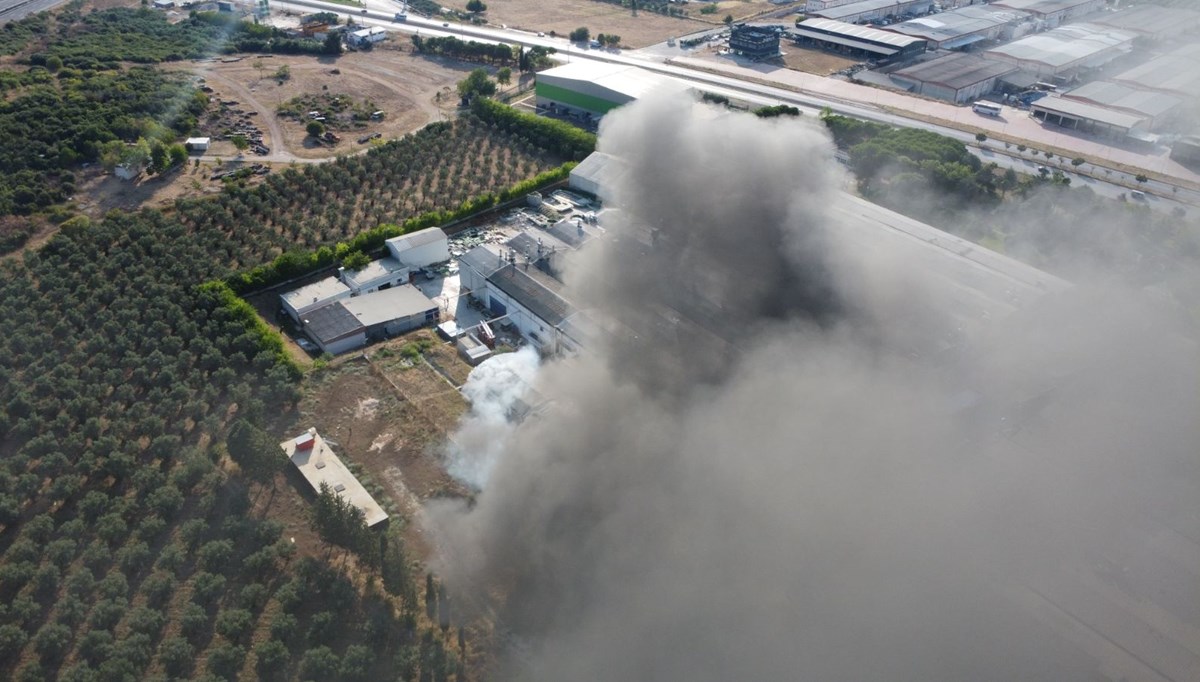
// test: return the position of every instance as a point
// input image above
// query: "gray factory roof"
(1118, 96)
(330, 323)
(862, 36)
(1151, 20)
(960, 23)
(864, 6)
(1065, 45)
(956, 71)
(384, 306)
(1091, 112)
(1172, 72)
(1041, 6)
(484, 259)
(532, 294)
(372, 271)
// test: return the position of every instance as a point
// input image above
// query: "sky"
(755, 476)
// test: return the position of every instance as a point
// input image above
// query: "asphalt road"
(12, 10)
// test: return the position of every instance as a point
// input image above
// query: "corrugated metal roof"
(956, 71)
(330, 323)
(1151, 19)
(823, 27)
(1173, 72)
(390, 304)
(1091, 112)
(964, 21)
(1042, 6)
(531, 294)
(1107, 93)
(1065, 45)
(866, 6)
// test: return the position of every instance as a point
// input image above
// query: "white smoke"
(496, 390)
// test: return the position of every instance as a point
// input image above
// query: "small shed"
(197, 144)
(164, 4)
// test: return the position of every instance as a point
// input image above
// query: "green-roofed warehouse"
(594, 88)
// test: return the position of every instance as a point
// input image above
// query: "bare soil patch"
(564, 16)
(411, 91)
(809, 60)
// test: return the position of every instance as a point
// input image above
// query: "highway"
(13, 10)
(1161, 196)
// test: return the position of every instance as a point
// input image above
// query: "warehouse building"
(1174, 73)
(1077, 115)
(592, 89)
(755, 42)
(1156, 107)
(351, 322)
(595, 173)
(860, 41)
(377, 275)
(508, 287)
(421, 248)
(870, 11)
(317, 462)
(962, 28)
(1053, 13)
(299, 302)
(1065, 50)
(959, 78)
(1152, 22)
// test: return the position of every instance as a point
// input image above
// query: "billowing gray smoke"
(794, 460)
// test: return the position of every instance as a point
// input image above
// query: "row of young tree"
(466, 50)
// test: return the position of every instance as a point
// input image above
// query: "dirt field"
(814, 61)
(564, 16)
(410, 90)
(390, 417)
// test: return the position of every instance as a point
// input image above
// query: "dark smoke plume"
(794, 458)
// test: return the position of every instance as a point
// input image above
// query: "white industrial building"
(421, 248)
(510, 288)
(317, 462)
(1065, 50)
(349, 323)
(966, 26)
(377, 275)
(373, 34)
(309, 297)
(1053, 13)
(592, 89)
(1152, 22)
(1156, 107)
(1078, 115)
(597, 174)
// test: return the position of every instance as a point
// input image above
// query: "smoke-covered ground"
(796, 457)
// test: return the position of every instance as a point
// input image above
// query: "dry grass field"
(564, 16)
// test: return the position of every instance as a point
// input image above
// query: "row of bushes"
(298, 263)
(556, 136)
(220, 295)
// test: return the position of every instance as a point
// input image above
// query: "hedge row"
(268, 339)
(299, 263)
(555, 136)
